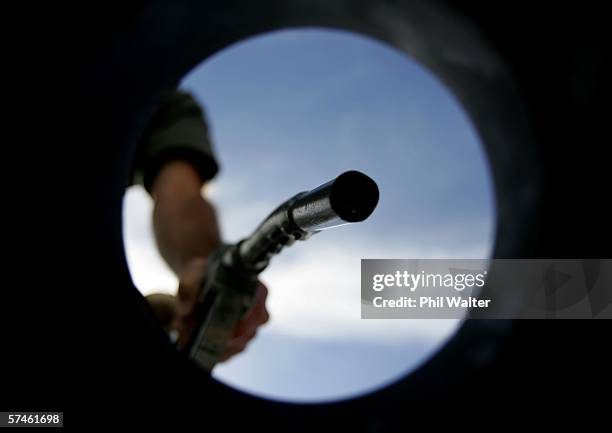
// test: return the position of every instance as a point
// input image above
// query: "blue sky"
(291, 110)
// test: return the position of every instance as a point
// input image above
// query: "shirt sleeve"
(178, 130)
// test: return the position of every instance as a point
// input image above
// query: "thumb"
(164, 307)
(189, 285)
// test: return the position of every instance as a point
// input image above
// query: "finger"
(258, 315)
(237, 345)
(165, 308)
(230, 353)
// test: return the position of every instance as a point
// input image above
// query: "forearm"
(187, 232)
(184, 222)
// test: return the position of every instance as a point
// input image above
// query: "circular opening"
(292, 109)
(354, 196)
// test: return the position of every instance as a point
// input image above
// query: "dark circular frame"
(152, 63)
